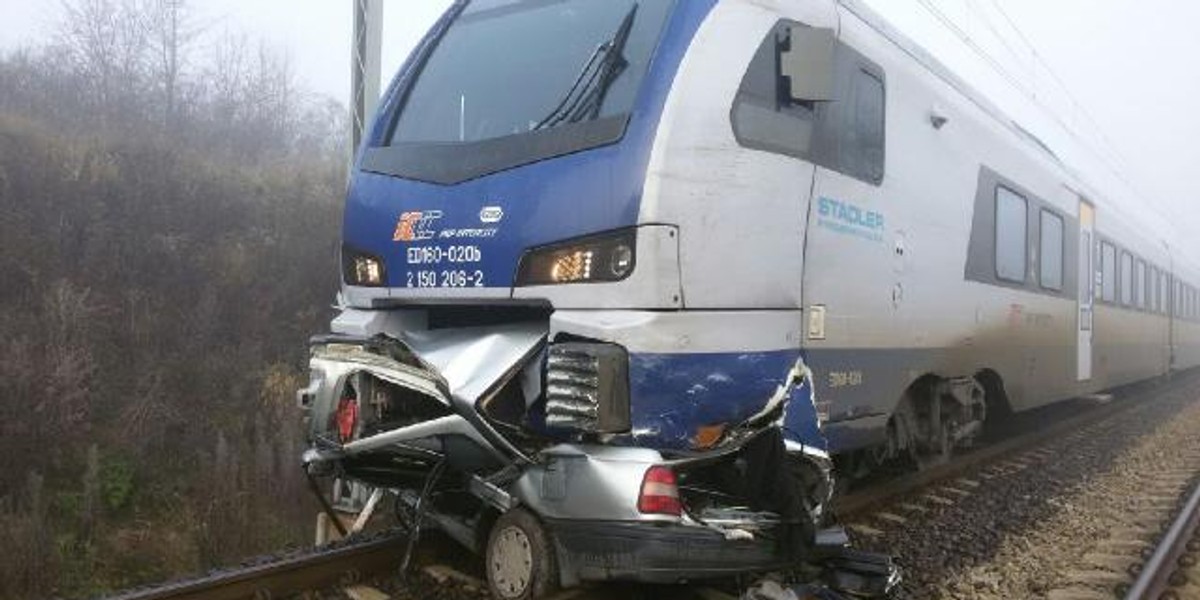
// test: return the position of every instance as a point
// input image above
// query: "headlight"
(587, 387)
(603, 258)
(360, 268)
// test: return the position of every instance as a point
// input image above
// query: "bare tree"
(172, 32)
(106, 41)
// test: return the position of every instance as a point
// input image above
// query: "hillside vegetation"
(168, 242)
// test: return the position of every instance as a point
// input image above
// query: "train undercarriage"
(934, 420)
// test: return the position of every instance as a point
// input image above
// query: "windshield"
(504, 67)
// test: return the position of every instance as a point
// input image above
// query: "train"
(645, 224)
(920, 250)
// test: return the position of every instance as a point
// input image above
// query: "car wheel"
(519, 558)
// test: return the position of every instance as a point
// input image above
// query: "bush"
(157, 297)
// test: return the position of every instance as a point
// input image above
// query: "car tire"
(519, 560)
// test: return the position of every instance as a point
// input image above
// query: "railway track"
(320, 574)
(286, 576)
(1070, 512)
(873, 516)
(1172, 571)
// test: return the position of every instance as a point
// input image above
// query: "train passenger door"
(1087, 291)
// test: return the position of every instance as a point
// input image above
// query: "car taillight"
(660, 493)
(347, 418)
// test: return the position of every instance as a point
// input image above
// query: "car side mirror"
(808, 64)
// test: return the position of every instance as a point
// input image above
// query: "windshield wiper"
(587, 92)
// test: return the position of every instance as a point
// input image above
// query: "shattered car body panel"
(456, 370)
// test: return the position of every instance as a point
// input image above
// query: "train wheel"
(520, 558)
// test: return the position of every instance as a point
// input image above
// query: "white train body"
(898, 276)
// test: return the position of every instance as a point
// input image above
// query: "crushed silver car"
(518, 447)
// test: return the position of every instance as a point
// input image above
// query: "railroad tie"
(893, 518)
(1123, 545)
(863, 529)
(939, 500)
(1079, 593)
(364, 592)
(955, 491)
(1098, 577)
(1116, 563)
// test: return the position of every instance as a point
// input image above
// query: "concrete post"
(366, 51)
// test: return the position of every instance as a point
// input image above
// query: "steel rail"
(283, 577)
(860, 501)
(1155, 577)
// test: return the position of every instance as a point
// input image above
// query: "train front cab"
(639, 212)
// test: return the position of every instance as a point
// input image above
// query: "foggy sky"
(1131, 64)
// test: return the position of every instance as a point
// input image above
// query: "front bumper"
(660, 552)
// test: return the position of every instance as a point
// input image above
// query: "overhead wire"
(1076, 105)
(966, 38)
(975, 8)
(1030, 92)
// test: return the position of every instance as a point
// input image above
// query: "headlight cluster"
(362, 269)
(604, 258)
(587, 387)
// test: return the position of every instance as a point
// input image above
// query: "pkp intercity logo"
(416, 226)
(491, 214)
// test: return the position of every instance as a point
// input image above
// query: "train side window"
(1108, 274)
(1139, 284)
(1178, 309)
(1150, 279)
(1166, 290)
(862, 144)
(1011, 236)
(1126, 284)
(764, 116)
(1152, 288)
(1051, 267)
(846, 134)
(1157, 283)
(1162, 291)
